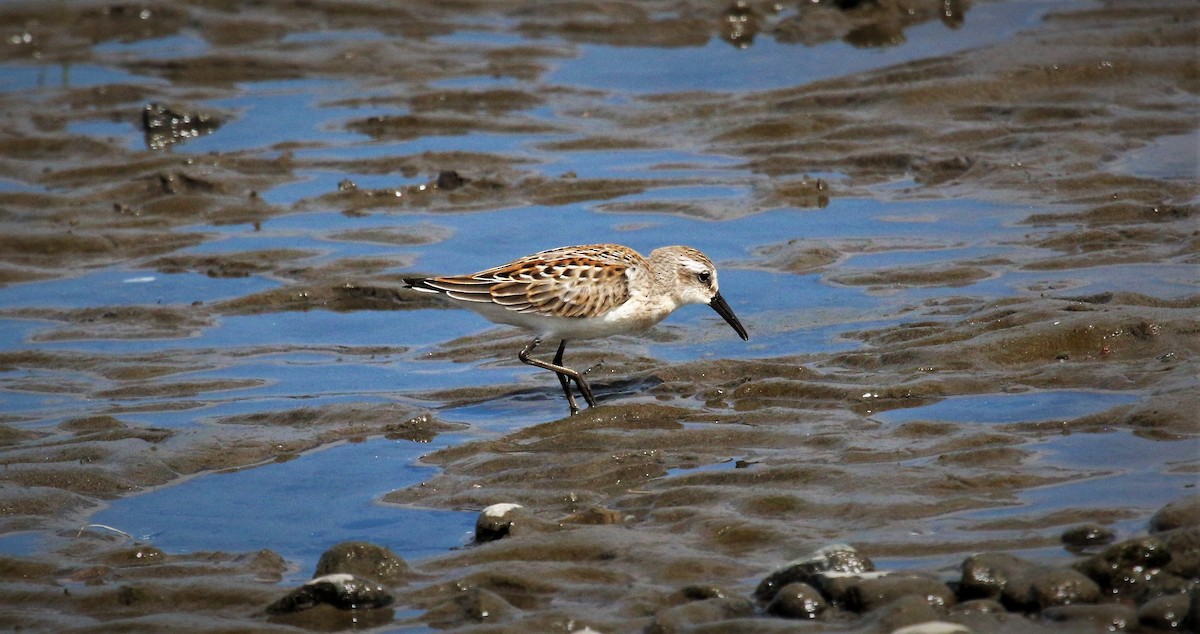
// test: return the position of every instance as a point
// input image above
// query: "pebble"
(984, 576)
(872, 593)
(1129, 567)
(1178, 514)
(449, 180)
(834, 558)
(342, 591)
(1165, 613)
(1113, 617)
(1081, 538)
(797, 600)
(166, 125)
(1046, 587)
(1151, 582)
(904, 612)
(496, 522)
(364, 559)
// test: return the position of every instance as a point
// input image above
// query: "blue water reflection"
(768, 64)
(298, 508)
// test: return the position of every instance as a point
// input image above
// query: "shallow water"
(1039, 406)
(230, 512)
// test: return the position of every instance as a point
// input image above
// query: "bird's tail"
(419, 284)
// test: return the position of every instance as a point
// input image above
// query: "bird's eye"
(704, 276)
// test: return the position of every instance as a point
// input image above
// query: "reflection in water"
(739, 25)
(777, 62)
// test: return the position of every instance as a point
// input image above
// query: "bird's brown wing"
(570, 282)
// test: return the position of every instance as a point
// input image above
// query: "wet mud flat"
(985, 386)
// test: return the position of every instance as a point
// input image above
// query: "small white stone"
(933, 627)
(500, 510)
(335, 578)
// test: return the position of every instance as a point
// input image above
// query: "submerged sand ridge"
(969, 277)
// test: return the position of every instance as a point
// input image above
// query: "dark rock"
(797, 601)
(701, 593)
(496, 521)
(982, 615)
(365, 560)
(1193, 618)
(985, 575)
(326, 618)
(739, 24)
(873, 593)
(904, 612)
(1165, 613)
(1181, 541)
(835, 586)
(835, 558)
(342, 591)
(267, 565)
(1184, 564)
(1178, 514)
(1081, 538)
(1047, 587)
(1113, 617)
(165, 125)
(1129, 566)
(1162, 585)
(449, 180)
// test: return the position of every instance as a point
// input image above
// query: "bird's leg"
(565, 374)
(584, 387)
(562, 378)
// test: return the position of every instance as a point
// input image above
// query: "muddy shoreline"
(664, 509)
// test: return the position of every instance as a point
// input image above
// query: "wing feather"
(571, 282)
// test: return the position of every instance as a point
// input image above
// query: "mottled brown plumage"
(566, 282)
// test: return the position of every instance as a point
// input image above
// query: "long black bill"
(718, 304)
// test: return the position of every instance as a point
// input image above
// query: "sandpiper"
(584, 292)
